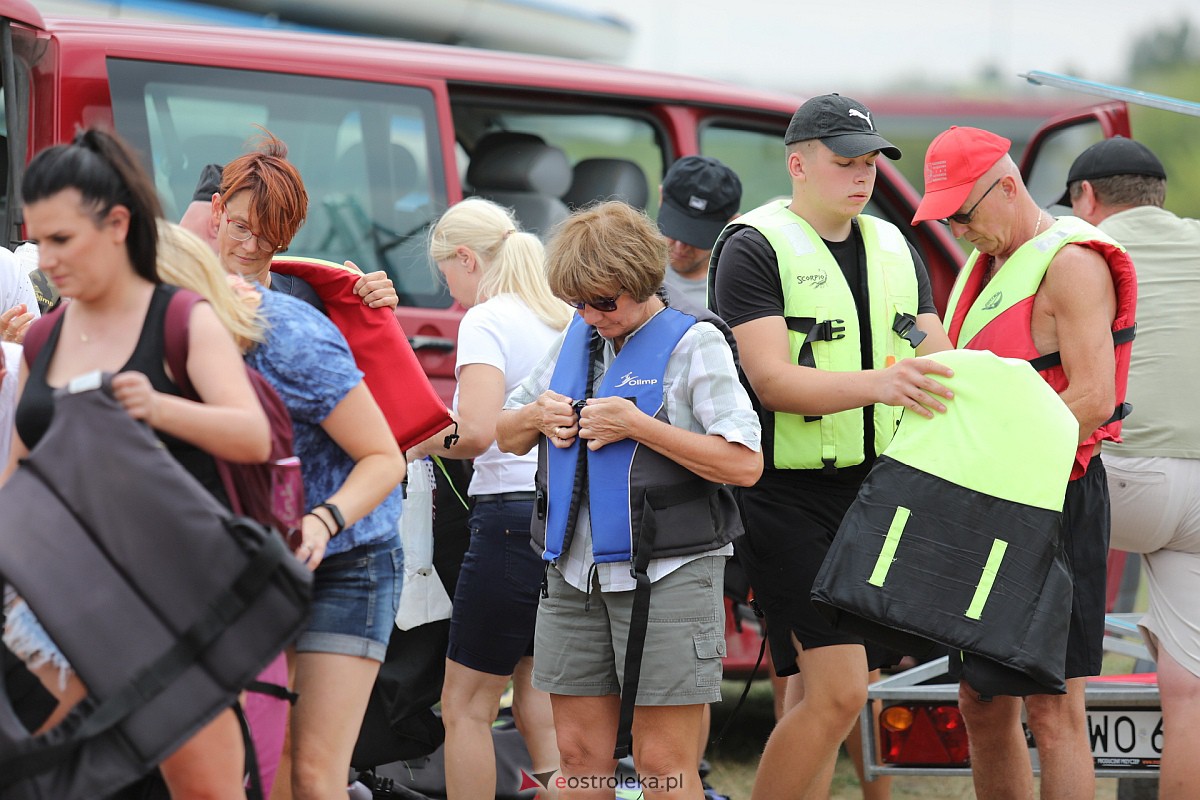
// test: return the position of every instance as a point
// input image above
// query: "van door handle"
(438, 343)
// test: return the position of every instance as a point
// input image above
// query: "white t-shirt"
(10, 352)
(15, 286)
(504, 333)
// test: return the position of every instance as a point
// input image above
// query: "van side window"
(756, 156)
(609, 154)
(368, 153)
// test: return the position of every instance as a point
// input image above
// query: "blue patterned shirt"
(306, 359)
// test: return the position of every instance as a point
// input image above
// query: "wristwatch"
(339, 521)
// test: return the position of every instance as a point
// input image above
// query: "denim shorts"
(355, 598)
(496, 599)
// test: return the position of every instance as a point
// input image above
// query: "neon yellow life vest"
(823, 332)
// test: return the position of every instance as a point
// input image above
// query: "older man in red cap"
(1062, 295)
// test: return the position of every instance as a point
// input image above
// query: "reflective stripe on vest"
(816, 297)
(636, 374)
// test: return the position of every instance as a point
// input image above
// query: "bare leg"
(1059, 725)
(801, 752)
(470, 701)
(664, 750)
(1180, 692)
(334, 690)
(881, 787)
(586, 729)
(534, 717)
(210, 765)
(1000, 764)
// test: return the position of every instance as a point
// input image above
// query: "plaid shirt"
(702, 394)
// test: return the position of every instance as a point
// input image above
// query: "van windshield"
(367, 152)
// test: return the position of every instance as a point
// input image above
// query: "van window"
(610, 153)
(367, 151)
(756, 156)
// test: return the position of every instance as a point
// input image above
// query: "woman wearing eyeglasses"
(496, 271)
(352, 468)
(646, 421)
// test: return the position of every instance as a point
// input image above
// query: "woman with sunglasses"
(495, 271)
(642, 420)
(94, 213)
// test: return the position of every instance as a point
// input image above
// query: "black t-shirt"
(35, 410)
(747, 288)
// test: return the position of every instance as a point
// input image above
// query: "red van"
(387, 134)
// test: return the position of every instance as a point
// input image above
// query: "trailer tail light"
(923, 735)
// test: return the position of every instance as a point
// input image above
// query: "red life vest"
(1000, 318)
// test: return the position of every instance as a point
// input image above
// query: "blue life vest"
(634, 485)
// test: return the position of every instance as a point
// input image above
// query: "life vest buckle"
(828, 331)
(905, 326)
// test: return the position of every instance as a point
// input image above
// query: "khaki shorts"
(582, 653)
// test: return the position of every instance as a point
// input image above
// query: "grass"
(734, 759)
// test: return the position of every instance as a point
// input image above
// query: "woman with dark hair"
(94, 214)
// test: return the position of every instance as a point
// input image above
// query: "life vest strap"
(828, 330)
(1051, 360)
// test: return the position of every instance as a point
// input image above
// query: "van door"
(1054, 146)
(20, 25)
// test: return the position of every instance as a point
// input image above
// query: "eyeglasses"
(240, 232)
(965, 217)
(605, 304)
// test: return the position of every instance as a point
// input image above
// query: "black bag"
(164, 603)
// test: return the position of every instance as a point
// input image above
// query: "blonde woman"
(497, 272)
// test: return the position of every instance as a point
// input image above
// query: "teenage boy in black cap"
(700, 195)
(828, 306)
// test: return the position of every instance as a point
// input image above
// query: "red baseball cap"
(954, 161)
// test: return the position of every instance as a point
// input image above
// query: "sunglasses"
(965, 217)
(604, 304)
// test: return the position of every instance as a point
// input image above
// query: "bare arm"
(357, 426)
(230, 422)
(936, 339)
(1078, 293)
(782, 385)
(610, 419)
(480, 398)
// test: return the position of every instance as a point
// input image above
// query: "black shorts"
(1085, 534)
(790, 524)
(1086, 527)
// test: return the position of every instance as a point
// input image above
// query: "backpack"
(272, 492)
(186, 602)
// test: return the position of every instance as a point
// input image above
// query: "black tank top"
(36, 407)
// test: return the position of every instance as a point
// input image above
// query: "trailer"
(919, 730)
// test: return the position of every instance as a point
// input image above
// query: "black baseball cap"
(699, 196)
(1115, 156)
(209, 183)
(843, 124)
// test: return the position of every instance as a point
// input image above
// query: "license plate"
(1125, 737)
